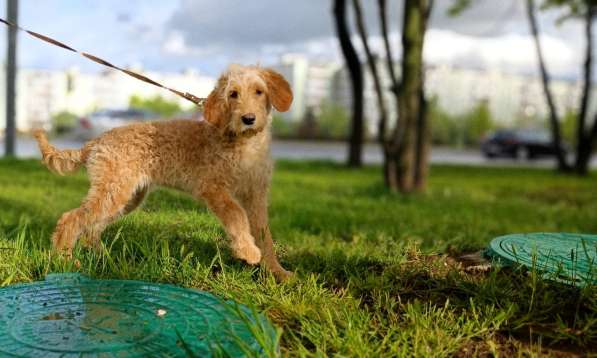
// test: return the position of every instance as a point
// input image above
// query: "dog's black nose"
(248, 119)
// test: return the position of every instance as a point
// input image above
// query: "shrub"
(460, 130)
(333, 121)
(283, 127)
(477, 123)
(156, 104)
(569, 127)
(444, 127)
(63, 122)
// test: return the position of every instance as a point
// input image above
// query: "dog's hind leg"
(106, 200)
(92, 237)
(136, 200)
(235, 222)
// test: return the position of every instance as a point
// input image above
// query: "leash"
(186, 95)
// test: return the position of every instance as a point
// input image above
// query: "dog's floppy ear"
(279, 89)
(214, 108)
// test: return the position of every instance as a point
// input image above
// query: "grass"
(376, 274)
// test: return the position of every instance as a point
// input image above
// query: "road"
(335, 151)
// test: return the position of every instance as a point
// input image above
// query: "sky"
(207, 35)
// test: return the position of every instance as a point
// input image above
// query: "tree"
(406, 149)
(412, 133)
(356, 76)
(12, 7)
(545, 80)
(586, 135)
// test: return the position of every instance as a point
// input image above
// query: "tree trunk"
(372, 63)
(423, 125)
(592, 138)
(390, 173)
(410, 92)
(356, 76)
(389, 58)
(406, 152)
(12, 7)
(423, 145)
(584, 142)
(390, 152)
(553, 115)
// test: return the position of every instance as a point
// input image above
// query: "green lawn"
(376, 274)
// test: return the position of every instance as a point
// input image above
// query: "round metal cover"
(570, 258)
(69, 315)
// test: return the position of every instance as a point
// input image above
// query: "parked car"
(520, 144)
(98, 122)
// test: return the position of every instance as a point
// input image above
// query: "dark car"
(520, 144)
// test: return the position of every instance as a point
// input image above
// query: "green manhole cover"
(570, 258)
(69, 315)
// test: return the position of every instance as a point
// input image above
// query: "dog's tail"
(59, 161)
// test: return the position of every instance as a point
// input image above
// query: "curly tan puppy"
(223, 160)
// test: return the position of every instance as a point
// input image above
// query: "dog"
(222, 160)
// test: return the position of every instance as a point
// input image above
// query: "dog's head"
(242, 101)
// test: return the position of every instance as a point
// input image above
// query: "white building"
(458, 90)
(43, 93)
(311, 83)
(342, 94)
(510, 96)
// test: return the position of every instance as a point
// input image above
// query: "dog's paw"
(91, 243)
(283, 275)
(63, 253)
(248, 252)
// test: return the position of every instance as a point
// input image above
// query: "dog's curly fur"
(221, 160)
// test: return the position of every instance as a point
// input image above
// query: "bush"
(444, 127)
(63, 122)
(464, 130)
(333, 121)
(569, 127)
(477, 123)
(283, 127)
(156, 104)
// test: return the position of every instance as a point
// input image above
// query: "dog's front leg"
(235, 222)
(255, 205)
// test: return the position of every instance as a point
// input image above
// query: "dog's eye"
(233, 94)
(259, 92)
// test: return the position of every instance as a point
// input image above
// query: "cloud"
(205, 22)
(249, 23)
(175, 44)
(483, 18)
(490, 34)
(207, 34)
(510, 52)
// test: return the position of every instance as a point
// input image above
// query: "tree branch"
(581, 133)
(389, 57)
(374, 71)
(553, 114)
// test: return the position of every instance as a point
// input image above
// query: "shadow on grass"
(561, 315)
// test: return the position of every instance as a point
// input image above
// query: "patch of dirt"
(473, 265)
(503, 346)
